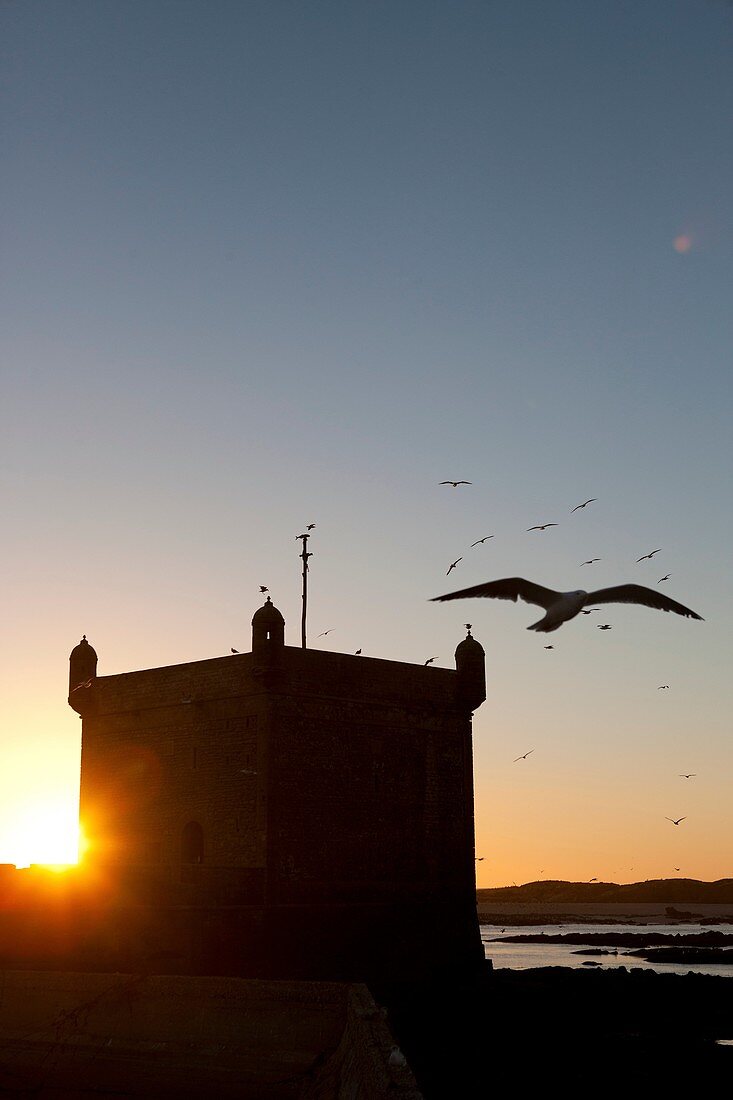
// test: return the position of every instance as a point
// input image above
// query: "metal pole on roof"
(304, 555)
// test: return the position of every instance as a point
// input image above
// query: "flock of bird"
(559, 607)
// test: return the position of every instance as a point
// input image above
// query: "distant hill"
(653, 890)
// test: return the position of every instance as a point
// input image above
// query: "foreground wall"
(71, 1033)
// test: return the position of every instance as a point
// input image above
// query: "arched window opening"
(192, 843)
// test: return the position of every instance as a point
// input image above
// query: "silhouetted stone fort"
(287, 812)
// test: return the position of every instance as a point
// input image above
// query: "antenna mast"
(304, 556)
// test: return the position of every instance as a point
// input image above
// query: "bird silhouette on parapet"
(234, 650)
(357, 653)
(559, 607)
(583, 505)
(455, 484)
(645, 556)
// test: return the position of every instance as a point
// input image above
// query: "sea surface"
(525, 956)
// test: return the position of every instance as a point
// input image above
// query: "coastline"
(622, 912)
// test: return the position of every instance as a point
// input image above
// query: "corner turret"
(268, 634)
(82, 671)
(471, 670)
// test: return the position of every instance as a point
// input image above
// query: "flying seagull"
(549, 647)
(665, 578)
(663, 687)
(455, 563)
(541, 527)
(604, 626)
(587, 610)
(590, 561)
(479, 541)
(687, 775)
(561, 606)
(583, 505)
(310, 526)
(430, 660)
(522, 757)
(455, 484)
(645, 556)
(677, 821)
(325, 632)
(264, 588)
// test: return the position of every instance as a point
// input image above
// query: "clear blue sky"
(273, 263)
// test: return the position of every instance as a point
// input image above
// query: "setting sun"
(44, 832)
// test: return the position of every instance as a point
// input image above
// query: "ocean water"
(524, 956)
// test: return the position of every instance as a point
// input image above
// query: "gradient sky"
(273, 263)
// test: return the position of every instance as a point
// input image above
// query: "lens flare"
(682, 243)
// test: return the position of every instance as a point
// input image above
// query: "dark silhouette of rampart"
(287, 812)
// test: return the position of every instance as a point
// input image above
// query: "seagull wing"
(637, 593)
(511, 588)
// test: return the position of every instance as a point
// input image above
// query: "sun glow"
(46, 833)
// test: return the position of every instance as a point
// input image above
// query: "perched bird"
(664, 578)
(583, 505)
(561, 606)
(645, 556)
(592, 880)
(605, 626)
(452, 567)
(522, 757)
(479, 859)
(264, 588)
(590, 561)
(549, 647)
(430, 660)
(541, 527)
(663, 687)
(687, 775)
(310, 526)
(677, 821)
(325, 632)
(234, 650)
(678, 868)
(455, 484)
(479, 541)
(357, 653)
